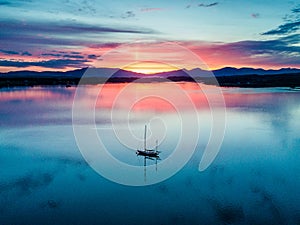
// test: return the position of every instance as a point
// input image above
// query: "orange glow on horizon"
(149, 67)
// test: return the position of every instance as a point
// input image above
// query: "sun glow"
(149, 67)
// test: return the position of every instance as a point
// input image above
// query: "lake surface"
(254, 179)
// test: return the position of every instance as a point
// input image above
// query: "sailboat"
(148, 152)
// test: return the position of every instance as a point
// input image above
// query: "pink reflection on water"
(156, 100)
(38, 94)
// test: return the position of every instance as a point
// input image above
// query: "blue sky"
(62, 35)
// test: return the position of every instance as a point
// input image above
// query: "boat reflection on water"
(145, 164)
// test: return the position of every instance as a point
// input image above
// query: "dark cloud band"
(55, 63)
(286, 28)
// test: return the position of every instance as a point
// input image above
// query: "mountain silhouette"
(227, 76)
(120, 73)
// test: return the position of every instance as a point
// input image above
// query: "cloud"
(277, 53)
(52, 54)
(208, 5)
(75, 53)
(82, 28)
(286, 28)
(36, 39)
(69, 55)
(203, 5)
(64, 28)
(269, 46)
(26, 53)
(291, 25)
(296, 10)
(37, 35)
(128, 14)
(15, 3)
(73, 56)
(54, 63)
(8, 52)
(255, 15)
(92, 56)
(151, 9)
(5, 3)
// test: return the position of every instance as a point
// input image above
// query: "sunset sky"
(66, 35)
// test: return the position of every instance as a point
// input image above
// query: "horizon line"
(149, 73)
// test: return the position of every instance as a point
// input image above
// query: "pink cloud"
(267, 54)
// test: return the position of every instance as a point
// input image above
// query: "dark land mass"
(247, 81)
(258, 81)
(271, 78)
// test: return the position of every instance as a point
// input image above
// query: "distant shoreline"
(226, 77)
(244, 81)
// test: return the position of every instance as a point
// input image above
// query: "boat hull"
(147, 153)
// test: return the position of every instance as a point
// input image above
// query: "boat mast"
(145, 137)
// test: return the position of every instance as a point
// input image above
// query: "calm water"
(255, 178)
